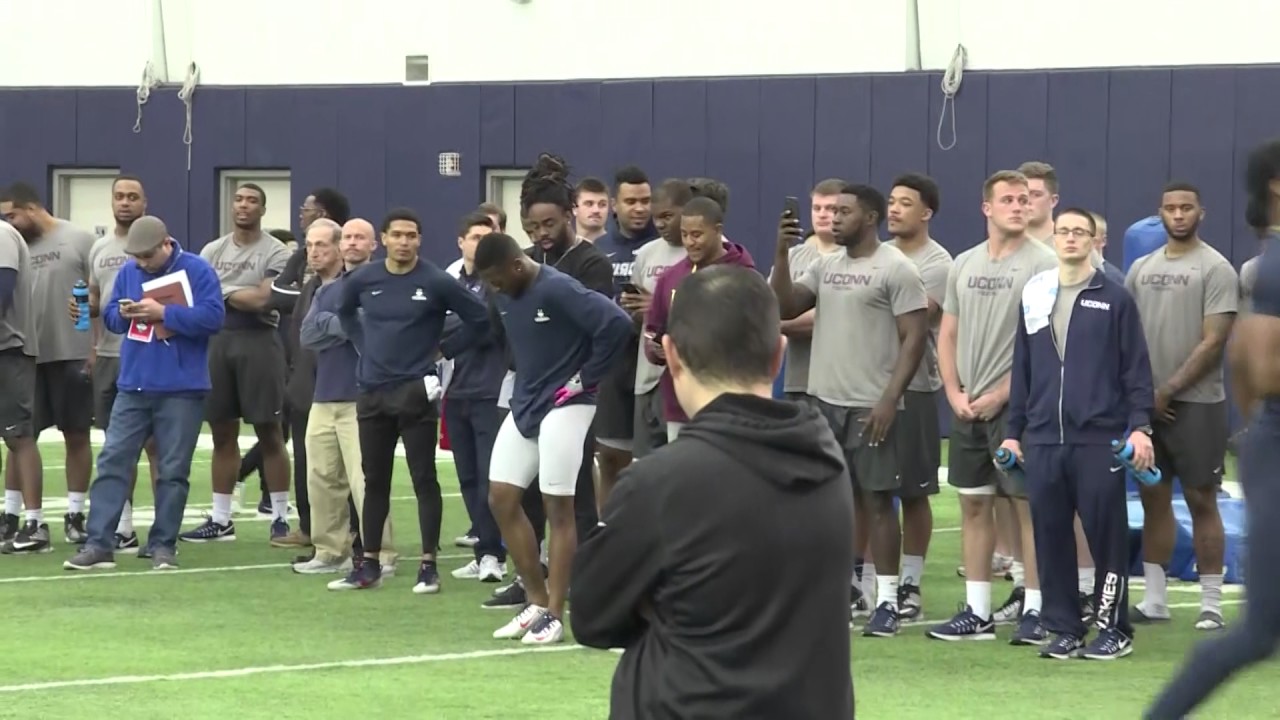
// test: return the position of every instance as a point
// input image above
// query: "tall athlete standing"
(1188, 294)
(246, 366)
(870, 332)
(564, 339)
(913, 201)
(975, 356)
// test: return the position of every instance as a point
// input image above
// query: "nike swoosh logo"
(23, 546)
(1117, 469)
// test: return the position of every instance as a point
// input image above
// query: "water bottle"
(80, 293)
(1123, 451)
(1008, 462)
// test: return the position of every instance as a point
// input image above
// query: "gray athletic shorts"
(650, 428)
(919, 444)
(247, 372)
(873, 469)
(1193, 448)
(17, 393)
(106, 370)
(971, 463)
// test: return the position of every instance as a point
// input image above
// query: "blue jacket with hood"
(1102, 389)
(179, 364)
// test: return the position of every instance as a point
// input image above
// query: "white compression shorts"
(554, 457)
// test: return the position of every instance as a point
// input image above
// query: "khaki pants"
(333, 472)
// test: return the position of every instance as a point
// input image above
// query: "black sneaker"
(883, 622)
(910, 604)
(505, 598)
(210, 531)
(279, 531)
(1011, 610)
(1030, 631)
(428, 579)
(1063, 647)
(31, 539)
(965, 626)
(1087, 612)
(127, 544)
(73, 528)
(1110, 644)
(858, 605)
(9, 526)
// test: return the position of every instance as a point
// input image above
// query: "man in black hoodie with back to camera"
(672, 572)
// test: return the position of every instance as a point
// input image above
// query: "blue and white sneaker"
(883, 622)
(279, 531)
(1110, 644)
(210, 531)
(1030, 631)
(965, 626)
(428, 579)
(1063, 647)
(545, 630)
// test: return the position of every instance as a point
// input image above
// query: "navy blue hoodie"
(621, 251)
(1102, 390)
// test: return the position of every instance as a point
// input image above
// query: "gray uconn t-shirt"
(105, 260)
(59, 258)
(245, 266)
(651, 260)
(855, 331)
(1248, 276)
(985, 296)
(16, 324)
(1064, 303)
(796, 377)
(934, 263)
(1174, 297)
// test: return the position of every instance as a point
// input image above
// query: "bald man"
(332, 438)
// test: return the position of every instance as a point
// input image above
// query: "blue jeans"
(473, 428)
(174, 421)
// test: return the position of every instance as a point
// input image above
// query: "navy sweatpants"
(1061, 481)
(1257, 637)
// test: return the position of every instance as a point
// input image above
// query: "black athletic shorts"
(105, 373)
(17, 394)
(64, 397)
(247, 373)
(614, 424)
(1193, 448)
(919, 444)
(650, 427)
(971, 461)
(873, 469)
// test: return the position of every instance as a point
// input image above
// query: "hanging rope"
(149, 83)
(187, 96)
(951, 80)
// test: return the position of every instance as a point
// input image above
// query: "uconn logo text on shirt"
(1095, 304)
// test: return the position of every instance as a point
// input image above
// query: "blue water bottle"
(1123, 451)
(80, 293)
(1008, 462)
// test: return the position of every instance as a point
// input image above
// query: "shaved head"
(358, 242)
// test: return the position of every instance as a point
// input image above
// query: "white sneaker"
(316, 566)
(470, 571)
(520, 624)
(466, 541)
(546, 630)
(490, 570)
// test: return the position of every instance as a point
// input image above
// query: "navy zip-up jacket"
(478, 371)
(1102, 390)
(336, 358)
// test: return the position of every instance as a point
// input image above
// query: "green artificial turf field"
(235, 634)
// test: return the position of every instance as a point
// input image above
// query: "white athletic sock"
(1019, 572)
(1086, 576)
(1033, 601)
(912, 569)
(37, 515)
(279, 505)
(1156, 593)
(75, 502)
(887, 590)
(870, 585)
(978, 596)
(221, 508)
(12, 502)
(1211, 593)
(125, 527)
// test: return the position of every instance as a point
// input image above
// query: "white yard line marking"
(1196, 604)
(273, 669)
(142, 572)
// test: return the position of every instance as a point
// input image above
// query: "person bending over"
(564, 339)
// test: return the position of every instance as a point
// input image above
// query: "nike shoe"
(1088, 613)
(1210, 620)
(546, 630)
(428, 579)
(1063, 647)
(883, 622)
(517, 626)
(1030, 631)
(73, 528)
(9, 526)
(910, 604)
(210, 531)
(965, 626)
(506, 597)
(33, 538)
(1110, 644)
(1011, 610)
(127, 544)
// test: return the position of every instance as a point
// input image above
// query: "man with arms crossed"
(1188, 294)
(564, 339)
(1081, 380)
(870, 332)
(162, 386)
(246, 366)
(679, 587)
(59, 255)
(18, 350)
(975, 355)
(913, 201)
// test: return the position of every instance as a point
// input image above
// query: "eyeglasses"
(1077, 233)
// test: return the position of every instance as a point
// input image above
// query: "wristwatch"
(1144, 429)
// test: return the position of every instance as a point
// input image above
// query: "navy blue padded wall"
(1137, 149)
(626, 120)
(219, 136)
(899, 127)
(787, 129)
(1077, 136)
(679, 118)
(1202, 147)
(363, 150)
(732, 155)
(1017, 119)
(961, 167)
